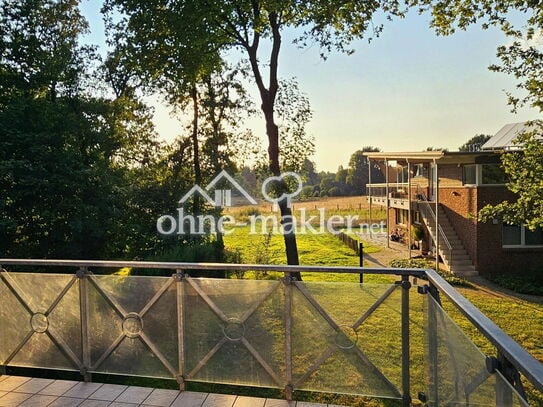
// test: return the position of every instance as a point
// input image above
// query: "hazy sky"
(406, 91)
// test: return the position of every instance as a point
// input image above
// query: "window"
(483, 174)
(469, 174)
(420, 170)
(402, 216)
(519, 236)
(492, 174)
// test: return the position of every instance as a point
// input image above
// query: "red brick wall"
(492, 257)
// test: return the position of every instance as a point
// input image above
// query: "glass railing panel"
(346, 338)
(235, 331)
(40, 320)
(133, 325)
(458, 374)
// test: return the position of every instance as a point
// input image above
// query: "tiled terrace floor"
(21, 391)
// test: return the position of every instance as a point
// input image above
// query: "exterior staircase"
(451, 248)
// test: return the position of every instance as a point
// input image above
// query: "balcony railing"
(349, 338)
(395, 190)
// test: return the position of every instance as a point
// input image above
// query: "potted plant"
(417, 235)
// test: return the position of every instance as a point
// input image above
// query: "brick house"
(441, 192)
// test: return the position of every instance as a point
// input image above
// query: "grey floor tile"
(279, 403)
(82, 390)
(161, 397)
(4, 377)
(38, 400)
(249, 402)
(108, 392)
(12, 382)
(33, 386)
(66, 402)
(58, 388)
(307, 404)
(94, 403)
(189, 399)
(117, 404)
(219, 400)
(14, 399)
(3, 393)
(134, 394)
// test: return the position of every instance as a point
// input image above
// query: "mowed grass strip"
(313, 250)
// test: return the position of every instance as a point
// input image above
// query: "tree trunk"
(267, 96)
(195, 147)
(289, 235)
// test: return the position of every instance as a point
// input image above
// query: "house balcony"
(395, 193)
(385, 341)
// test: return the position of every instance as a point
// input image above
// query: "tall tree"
(524, 169)
(182, 28)
(358, 172)
(64, 155)
(474, 143)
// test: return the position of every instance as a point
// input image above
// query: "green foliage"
(427, 264)
(81, 173)
(417, 232)
(520, 284)
(525, 171)
(200, 252)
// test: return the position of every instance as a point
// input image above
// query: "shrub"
(426, 264)
(193, 252)
(520, 284)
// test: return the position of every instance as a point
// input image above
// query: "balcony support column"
(368, 192)
(409, 219)
(436, 175)
(387, 202)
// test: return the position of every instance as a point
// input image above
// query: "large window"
(483, 174)
(519, 236)
(470, 174)
(492, 174)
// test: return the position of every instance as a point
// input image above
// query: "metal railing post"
(504, 393)
(82, 275)
(361, 259)
(406, 375)
(433, 358)
(180, 291)
(2, 366)
(289, 388)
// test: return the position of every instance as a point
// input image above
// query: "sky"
(405, 91)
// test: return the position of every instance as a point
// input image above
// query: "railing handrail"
(427, 206)
(523, 361)
(211, 266)
(384, 184)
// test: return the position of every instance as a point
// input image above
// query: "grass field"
(522, 320)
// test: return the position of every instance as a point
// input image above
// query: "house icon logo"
(222, 197)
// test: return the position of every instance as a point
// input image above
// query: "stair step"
(456, 257)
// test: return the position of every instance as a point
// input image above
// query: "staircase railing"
(427, 212)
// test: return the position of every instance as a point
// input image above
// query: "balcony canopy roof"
(440, 156)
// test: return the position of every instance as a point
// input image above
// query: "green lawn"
(314, 250)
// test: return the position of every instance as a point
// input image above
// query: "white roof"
(503, 139)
